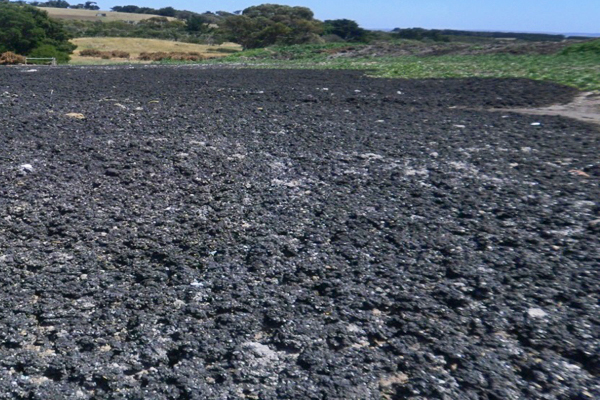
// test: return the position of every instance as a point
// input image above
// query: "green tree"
(346, 29)
(49, 51)
(239, 28)
(198, 23)
(268, 24)
(55, 4)
(154, 22)
(19, 32)
(91, 5)
(126, 9)
(24, 28)
(166, 12)
(278, 12)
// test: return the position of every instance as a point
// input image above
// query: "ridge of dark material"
(280, 234)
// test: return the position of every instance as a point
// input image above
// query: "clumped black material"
(225, 234)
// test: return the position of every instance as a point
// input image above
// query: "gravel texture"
(188, 233)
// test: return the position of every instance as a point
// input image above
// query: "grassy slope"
(578, 70)
(91, 15)
(135, 46)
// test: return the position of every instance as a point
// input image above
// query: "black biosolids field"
(188, 233)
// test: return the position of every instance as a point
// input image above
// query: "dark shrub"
(90, 53)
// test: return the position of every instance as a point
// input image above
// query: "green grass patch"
(580, 69)
(306, 52)
(588, 48)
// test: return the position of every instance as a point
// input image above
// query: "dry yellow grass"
(91, 15)
(135, 46)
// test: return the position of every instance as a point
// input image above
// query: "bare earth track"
(585, 107)
(198, 233)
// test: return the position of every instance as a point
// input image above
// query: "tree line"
(446, 35)
(28, 30)
(253, 27)
(88, 5)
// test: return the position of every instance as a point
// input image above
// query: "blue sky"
(561, 16)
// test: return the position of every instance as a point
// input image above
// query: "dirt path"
(585, 107)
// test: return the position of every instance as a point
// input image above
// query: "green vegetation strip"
(578, 69)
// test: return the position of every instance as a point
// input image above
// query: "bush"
(10, 58)
(49, 51)
(332, 38)
(90, 53)
(185, 57)
(346, 29)
(225, 50)
(175, 56)
(145, 56)
(119, 54)
(104, 54)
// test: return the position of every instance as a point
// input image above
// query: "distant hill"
(570, 34)
(456, 34)
(530, 36)
(93, 15)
